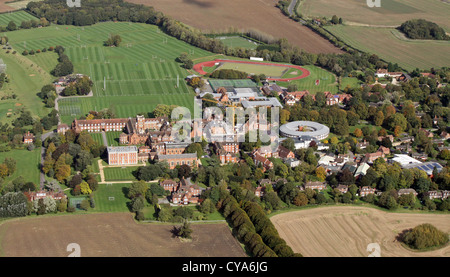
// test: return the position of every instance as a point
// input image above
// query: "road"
(43, 138)
(291, 7)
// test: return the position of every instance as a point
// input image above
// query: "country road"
(291, 7)
(43, 138)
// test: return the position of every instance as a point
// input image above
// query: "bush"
(140, 216)
(425, 236)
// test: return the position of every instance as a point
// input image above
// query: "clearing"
(347, 231)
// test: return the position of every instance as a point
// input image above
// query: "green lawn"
(26, 80)
(238, 42)
(272, 71)
(352, 82)
(120, 174)
(17, 17)
(113, 138)
(27, 164)
(327, 80)
(103, 202)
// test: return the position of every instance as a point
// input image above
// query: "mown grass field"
(113, 138)
(26, 80)
(238, 42)
(327, 80)
(133, 78)
(17, 17)
(272, 71)
(27, 164)
(391, 12)
(120, 173)
(102, 198)
(390, 45)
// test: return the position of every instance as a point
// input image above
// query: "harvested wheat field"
(347, 231)
(262, 15)
(111, 235)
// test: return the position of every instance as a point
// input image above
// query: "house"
(265, 182)
(56, 195)
(342, 188)
(433, 194)
(28, 138)
(362, 145)
(261, 160)
(384, 150)
(390, 137)
(444, 135)
(401, 192)
(225, 151)
(62, 128)
(259, 191)
(187, 193)
(291, 162)
(371, 157)
(364, 191)
(169, 185)
(285, 153)
(315, 186)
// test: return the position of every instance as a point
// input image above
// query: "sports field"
(27, 164)
(120, 173)
(390, 45)
(111, 198)
(326, 81)
(238, 42)
(132, 78)
(254, 69)
(391, 12)
(347, 231)
(17, 17)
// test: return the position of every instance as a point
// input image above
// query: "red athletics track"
(305, 73)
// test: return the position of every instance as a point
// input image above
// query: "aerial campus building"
(300, 129)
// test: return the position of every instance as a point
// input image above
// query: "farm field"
(27, 164)
(347, 231)
(392, 12)
(111, 235)
(217, 16)
(390, 45)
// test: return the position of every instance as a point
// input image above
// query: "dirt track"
(261, 15)
(347, 231)
(111, 235)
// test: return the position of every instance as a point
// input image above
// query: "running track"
(305, 73)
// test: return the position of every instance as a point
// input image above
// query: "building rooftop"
(122, 149)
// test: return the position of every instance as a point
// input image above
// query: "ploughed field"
(111, 235)
(347, 231)
(262, 15)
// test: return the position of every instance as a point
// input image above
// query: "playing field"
(238, 42)
(111, 235)
(111, 198)
(17, 17)
(390, 45)
(27, 164)
(347, 231)
(132, 78)
(255, 69)
(391, 12)
(120, 173)
(327, 80)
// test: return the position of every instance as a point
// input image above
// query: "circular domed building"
(299, 129)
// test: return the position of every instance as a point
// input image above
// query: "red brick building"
(122, 155)
(189, 159)
(186, 193)
(33, 195)
(28, 138)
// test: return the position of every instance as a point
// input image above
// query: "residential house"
(364, 191)
(28, 138)
(187, 193)
(41, 194)
(384, 150)
(261, 160)
(315, 186)
(259, 191)
(401, 192)
(169, 185)
(342, 188)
